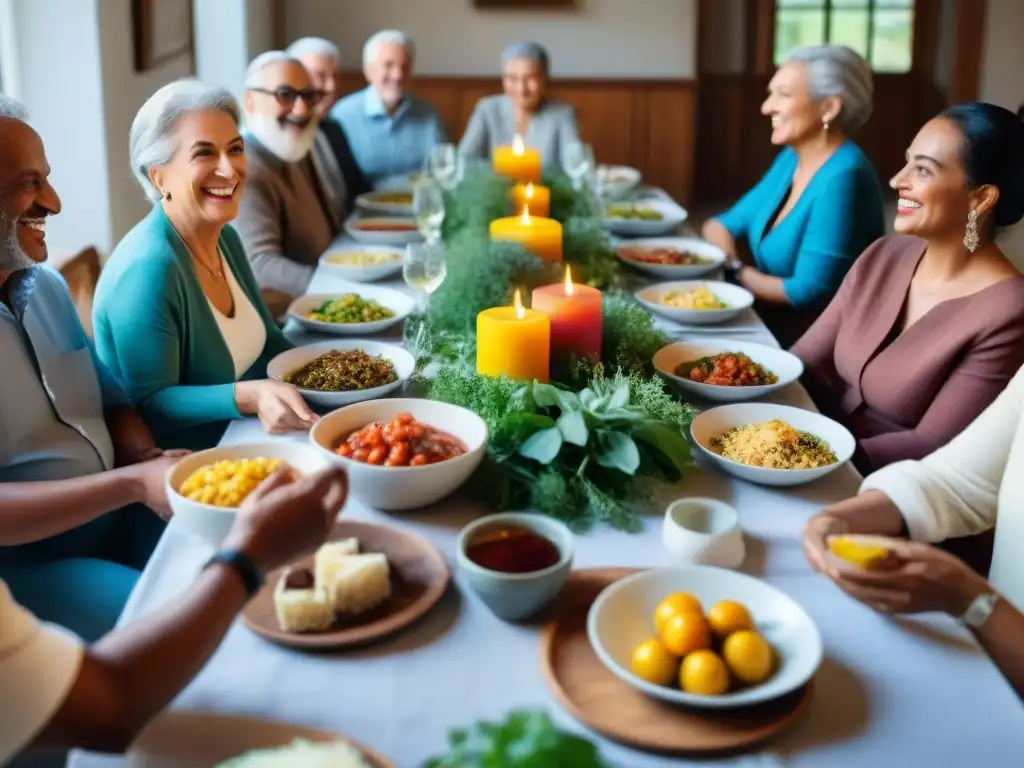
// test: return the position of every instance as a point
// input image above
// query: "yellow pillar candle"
(517, 162)
(514, 341)
(533, 197)
(538, 235)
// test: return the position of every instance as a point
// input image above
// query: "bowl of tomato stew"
(402, 453)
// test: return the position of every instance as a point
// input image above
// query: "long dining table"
(907, 692)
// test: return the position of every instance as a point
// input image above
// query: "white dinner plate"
(736, 299)
(621, 618)
(715, 422)
(401, 304)
(786, 366)
(402, 361)
(712, 254)
(382, 237)
(185, 739)
(378, 202)
(365, 273)
(672, 215)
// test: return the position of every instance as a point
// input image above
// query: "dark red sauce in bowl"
(512, 549)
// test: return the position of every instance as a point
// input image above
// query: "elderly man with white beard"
(293, 206)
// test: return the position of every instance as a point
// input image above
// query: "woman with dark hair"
(928, 327)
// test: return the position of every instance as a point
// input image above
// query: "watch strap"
(250, 574)
(979, 610)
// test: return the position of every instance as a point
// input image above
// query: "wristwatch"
(979, 610)
(250, 574)
(732, 265)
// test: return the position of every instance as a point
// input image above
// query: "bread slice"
(301, 610)
(329, 557)
(360, 582)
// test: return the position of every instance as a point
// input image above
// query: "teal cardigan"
(156, 333)
(839, 214)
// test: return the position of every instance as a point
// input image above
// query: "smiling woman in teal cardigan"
(156, 332)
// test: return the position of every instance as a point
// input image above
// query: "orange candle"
(533, 197)
(575, 313)
(517, 162)
(538, 235)
(514, 341)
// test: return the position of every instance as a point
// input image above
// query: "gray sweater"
(552, 129)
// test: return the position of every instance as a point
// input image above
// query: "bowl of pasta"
(772, 444)
(696, 302)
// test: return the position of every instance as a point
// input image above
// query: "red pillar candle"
(575, 312)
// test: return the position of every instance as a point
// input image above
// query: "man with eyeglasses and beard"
(77, 463)
(294, 202)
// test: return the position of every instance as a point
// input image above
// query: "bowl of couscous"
(205, 489)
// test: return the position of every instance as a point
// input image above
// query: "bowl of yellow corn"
(363, 263)
(696, 302)
(205, 489)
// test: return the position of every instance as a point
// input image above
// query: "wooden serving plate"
(597, 698)
(419, 577)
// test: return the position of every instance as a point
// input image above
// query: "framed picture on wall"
(532, 4)
(162, 30)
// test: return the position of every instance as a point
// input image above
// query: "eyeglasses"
(286, 95)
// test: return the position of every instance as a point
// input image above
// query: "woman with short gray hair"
(178, 316)
(819, 205)
(524, 110)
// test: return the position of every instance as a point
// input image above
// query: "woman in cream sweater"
(964, 488)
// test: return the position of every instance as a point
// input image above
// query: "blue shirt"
(388, 146)
(54, 391)
(839, 214)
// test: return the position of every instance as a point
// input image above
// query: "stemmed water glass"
(428, 208)
(424, 270)
(579, 162)
(444, 165)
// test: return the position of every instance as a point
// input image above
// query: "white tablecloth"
(908, 692)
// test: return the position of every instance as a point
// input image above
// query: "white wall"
(602, 38)
(220, 41)
(1002, 64)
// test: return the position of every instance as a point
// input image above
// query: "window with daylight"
(879, 30)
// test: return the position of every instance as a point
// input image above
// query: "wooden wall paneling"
(669, 159)
(965, 77)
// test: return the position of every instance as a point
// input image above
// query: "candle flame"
(517, 302)
(568, 280)
(518, 147)
(529, 191)
(525, 218)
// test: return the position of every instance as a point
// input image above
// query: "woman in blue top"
(819, 205)
(178, 318)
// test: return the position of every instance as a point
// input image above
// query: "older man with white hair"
(321, 58)
(294, 203)
(391, 131)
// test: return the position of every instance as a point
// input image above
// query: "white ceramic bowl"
(786, 366)
(286, 362)
(672, 215)
(367, 273)
(376, 202)
(385, 237)
(617, 180)
(736, 299)
(620, 619)
(213, 523)
(401, 304)
(717, 421)
(714, 255)
(402, 488)
(703, 532)
(517, 596)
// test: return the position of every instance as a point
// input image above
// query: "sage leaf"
(669, 442)
(573, 428)
(619, 398)
(617, 451)
(543, 445)
(545, 395)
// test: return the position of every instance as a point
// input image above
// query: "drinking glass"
(428, 208)
(424, 270)
(444, 164)
(579, 162)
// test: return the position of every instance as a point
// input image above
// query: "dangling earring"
(971, 239)
(825, 122)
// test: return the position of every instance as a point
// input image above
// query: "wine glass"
(444, 164)
(428, 208)
(579, 162)
(424, 270)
